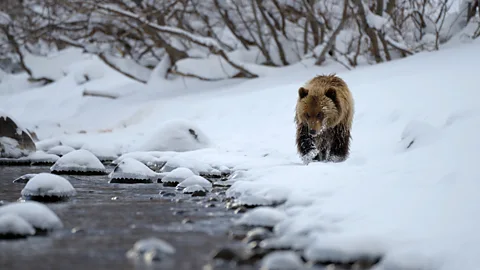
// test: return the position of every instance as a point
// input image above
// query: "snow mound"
(195, 190)
(37, 214)
(176, 135)
(151, 249)
(48, 187)
(281, 260)
(24, 178)
(418, 134)
(101, 151)
(262, 216)
(176, 176)
(78, 161)
(60, 150)
(13, 226)
(195, 180)
(132, 170)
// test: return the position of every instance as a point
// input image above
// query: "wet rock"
(212, 199)
(210, 205)
(164, 193)
(240, 210)
(151, 249)
(231, 253)
(187, 221)
(15, 141)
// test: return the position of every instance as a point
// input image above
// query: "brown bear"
(323, 116)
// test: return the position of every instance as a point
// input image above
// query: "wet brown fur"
(325, 105)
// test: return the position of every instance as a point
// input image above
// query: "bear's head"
(318, 109)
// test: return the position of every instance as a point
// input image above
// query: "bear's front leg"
(306, 145)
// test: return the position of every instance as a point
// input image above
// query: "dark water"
(103, 221)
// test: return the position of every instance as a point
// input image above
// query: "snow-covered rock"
(35, 213)
(281, 260)
(13, 226)
(151, 249)
(48, 187)
(78, 162)
(176, 135)
(195, 180)
(60, 150)
(15, 141)
(195, 190)
(176, 176)
(130, 170)
(261, 216)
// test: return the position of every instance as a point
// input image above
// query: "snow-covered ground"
(415, 205)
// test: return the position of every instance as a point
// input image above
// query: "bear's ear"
(331, 94)
(302, 92)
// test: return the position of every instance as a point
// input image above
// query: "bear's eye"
(307, 115)
(320, 115)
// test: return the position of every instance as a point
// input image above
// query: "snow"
(24, 178)
(36, 214)
(80, 161)
(385, 199)
(13, 224)
(130, 168)
(47, 184)
(195, 180)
